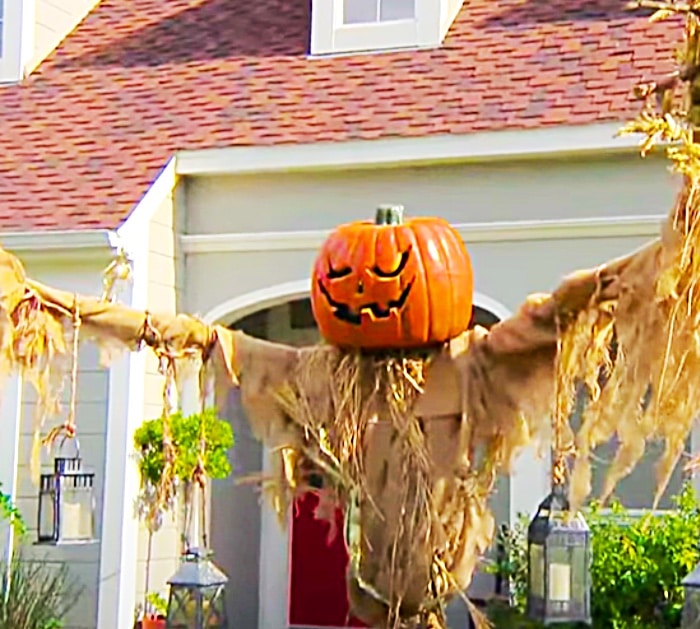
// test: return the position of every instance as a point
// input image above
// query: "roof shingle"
(83, 137)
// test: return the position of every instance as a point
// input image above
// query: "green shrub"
(185, 433)
(35, 595)
(10, 513)
(637, 568)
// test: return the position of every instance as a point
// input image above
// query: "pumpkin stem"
(389, 215)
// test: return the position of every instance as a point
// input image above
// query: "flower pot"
(153, 622)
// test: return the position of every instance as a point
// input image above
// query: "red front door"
(317, 592)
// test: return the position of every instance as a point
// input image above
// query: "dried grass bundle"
(413, 475)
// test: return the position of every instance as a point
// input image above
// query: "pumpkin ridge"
(388, 300)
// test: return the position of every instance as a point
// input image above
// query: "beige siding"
(55, 19)
(91, 415)
(162, 297)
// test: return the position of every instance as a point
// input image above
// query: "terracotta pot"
(153, 622)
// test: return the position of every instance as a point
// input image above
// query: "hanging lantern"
(197, 594)
(558, 563)
(691, 605)
(67, 503)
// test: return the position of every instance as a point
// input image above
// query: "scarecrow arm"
(509, 372)
(535, 324)
(32, 333)
(259, 367)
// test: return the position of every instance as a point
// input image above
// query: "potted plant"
(155, 612)
(200, 444)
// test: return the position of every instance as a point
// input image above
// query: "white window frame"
(17, 39)
(330, 36)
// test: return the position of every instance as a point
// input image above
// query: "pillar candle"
(559, 582)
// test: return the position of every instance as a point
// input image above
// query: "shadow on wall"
(206, 31)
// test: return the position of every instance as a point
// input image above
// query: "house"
(222, 140)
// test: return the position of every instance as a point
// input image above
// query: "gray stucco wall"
(621, 185)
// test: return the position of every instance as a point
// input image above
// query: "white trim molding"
(243, 305)
(11, 418)
(72, 245)
(120, 527)
(17, 39)
(497, 231)
(390, 152)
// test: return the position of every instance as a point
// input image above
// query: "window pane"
(397, 10)
(360, 11)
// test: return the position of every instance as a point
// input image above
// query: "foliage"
(156, 604)
(187, 434)
(185, 431)
(10, 513)
(511, 565)
(36, 595)
(637, 569)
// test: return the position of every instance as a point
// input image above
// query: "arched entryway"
(295, 578)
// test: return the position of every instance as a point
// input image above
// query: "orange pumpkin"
(391, 284)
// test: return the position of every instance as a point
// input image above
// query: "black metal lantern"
(197, 594)
(67, 503)
(559, 555)
(691, 605)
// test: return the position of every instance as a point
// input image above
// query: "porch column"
(529, 482)
(11, 418)
(120, 527)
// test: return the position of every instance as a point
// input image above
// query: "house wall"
(463, 193)
(622, 185)
(54, 20)
(91, 414)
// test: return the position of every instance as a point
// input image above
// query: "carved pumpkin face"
(392, 284)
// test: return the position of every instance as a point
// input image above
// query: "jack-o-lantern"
(391, 284)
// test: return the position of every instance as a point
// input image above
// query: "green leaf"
(637, 569)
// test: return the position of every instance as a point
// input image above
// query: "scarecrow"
(408, 413)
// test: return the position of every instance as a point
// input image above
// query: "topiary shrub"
(637, 569)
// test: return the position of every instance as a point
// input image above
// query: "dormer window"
(345, 26)
(377, 11)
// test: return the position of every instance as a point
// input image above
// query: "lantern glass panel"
(47, 508)
(558, 563)
(213, 607)
(691, 609)
(197, 594)
(178, 605)
(691, 606)
(77, 521)
(559, 577)
(536, 572)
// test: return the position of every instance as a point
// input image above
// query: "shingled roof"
(85, 135)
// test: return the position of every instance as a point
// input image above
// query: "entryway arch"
(259, 539)
(236, 308)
